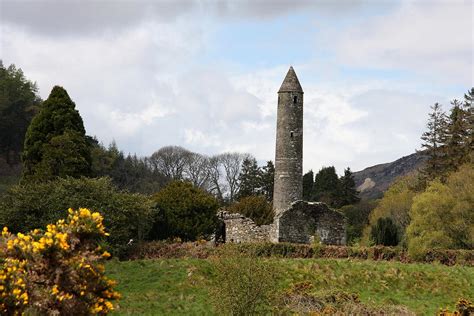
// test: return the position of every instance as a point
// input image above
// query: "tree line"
(448, 140)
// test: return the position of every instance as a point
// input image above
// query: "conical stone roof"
(291, 82)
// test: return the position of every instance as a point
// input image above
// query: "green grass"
(180, 286)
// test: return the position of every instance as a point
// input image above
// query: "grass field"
(181, 286)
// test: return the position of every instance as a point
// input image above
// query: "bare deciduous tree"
(171, 161)
(197, 170)
(216, 186)
(231, 164)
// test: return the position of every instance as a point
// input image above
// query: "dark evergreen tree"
(456, 136)
(385, 232)
(249, 178)
(267, 180)
(56, 136)
(18, 104)
(349, 194)
(433, 141)
(129, 173)
(308, 180)
(327, 187)
(469, 110)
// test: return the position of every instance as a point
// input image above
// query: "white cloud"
(431, 38)
(197, 137)
(140, 81)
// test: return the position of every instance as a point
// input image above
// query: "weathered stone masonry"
(305, 220)
(288, 185)
(239, 228)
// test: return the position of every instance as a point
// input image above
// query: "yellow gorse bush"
(58, 270)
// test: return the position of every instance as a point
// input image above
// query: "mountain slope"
(373, 181)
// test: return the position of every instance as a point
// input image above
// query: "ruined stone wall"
(298, 224)
(304, 220)
(241, 229)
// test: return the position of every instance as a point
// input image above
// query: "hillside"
(373, 181)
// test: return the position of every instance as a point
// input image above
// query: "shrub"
(442, 216)
(256, 208)
(57, 271)
(26, 207)
(357, 218)
(184, 211)
(165, 249)
(395, 204)
(243, 283)
(384, 232)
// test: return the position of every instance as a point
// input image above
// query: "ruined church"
(295, 220)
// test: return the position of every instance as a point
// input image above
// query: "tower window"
(295, 99)
(291, 134)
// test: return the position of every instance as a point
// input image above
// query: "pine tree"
(349, 194)
(55, 142)
(249, 178)
(308, 180)
(456, 137)
(327, 187)
(433, 141)
(267, 180)
(469, 110)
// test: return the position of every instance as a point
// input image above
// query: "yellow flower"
(97, 308)
(55, 290)
(96, 216)
(24, 297)
(109, 305)
(62, 238)
(10, 244)
(83, 212)
(106, 254)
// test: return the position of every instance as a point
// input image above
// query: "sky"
(205, 74)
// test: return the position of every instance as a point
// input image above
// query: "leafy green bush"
(254, 207)
(442, 216)
(243, 283)
(184, 211)
(395, 204)
(127, 216)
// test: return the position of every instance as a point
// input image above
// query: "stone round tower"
(288, 185)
